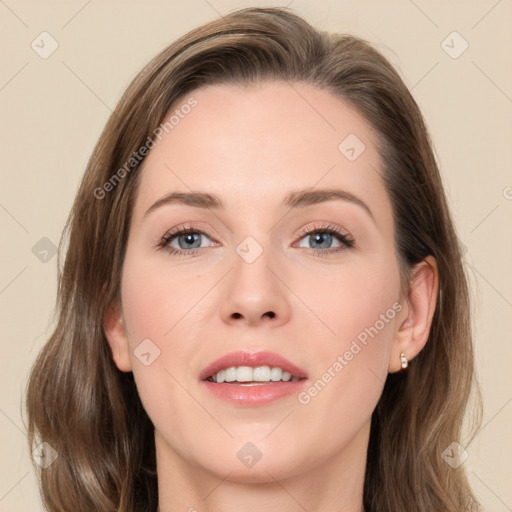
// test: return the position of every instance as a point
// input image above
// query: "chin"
(262, 472)
(254, 461)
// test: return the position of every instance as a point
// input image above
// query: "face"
(294, 257)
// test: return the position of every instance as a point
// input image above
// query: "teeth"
(244, 374)
(261, 373)
(276, 374)
(248, 374)
(230, 374)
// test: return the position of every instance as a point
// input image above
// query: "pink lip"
(252, 396)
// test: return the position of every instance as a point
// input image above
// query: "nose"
(255, 293)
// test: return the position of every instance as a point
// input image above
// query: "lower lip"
(253, 396)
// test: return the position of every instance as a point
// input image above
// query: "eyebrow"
(295, 199)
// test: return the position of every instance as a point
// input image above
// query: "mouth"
(248, 376)
(256, 379)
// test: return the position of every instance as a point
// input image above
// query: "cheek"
(162, 301)
(358, 309)
(165, 305)
(158, 305)
(350, 300)
(152, 299)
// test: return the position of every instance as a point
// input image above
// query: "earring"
(405, 363)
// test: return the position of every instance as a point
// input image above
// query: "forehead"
(256, 143)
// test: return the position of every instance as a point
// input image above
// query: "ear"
(113, 325)
(416, 318)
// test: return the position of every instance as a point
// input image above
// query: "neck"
(334, 485)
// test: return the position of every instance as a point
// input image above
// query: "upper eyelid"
(304, 231)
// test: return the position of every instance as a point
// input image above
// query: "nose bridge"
(254, 293)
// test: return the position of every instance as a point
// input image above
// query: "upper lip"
(255, 359)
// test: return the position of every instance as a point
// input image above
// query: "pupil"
(325, 236)
(189, 238)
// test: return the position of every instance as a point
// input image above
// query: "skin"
(251, 146)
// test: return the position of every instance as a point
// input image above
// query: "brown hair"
(90, 412)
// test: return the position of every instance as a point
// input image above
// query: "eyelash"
(346, 240)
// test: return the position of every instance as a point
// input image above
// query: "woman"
(262, 304)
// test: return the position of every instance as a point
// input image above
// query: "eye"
(323, 237)
(183, 240)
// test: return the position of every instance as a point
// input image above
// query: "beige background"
(54, 109)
